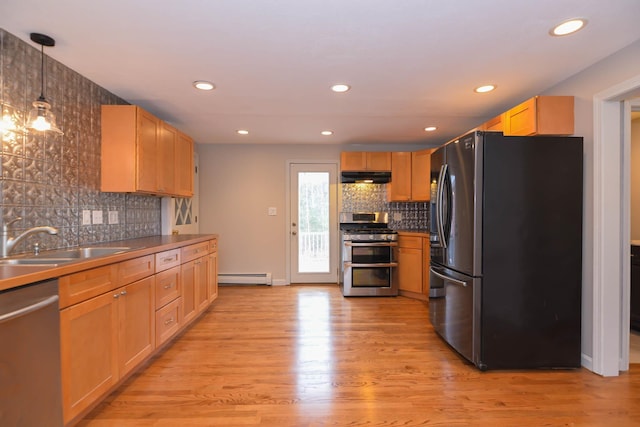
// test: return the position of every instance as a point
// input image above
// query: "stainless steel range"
(367, 254)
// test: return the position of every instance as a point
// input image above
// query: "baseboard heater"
(245, 279)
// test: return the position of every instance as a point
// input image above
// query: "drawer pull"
(167, 259)
(116, 295)
(123, 293)
(169, 286)
(169, 321)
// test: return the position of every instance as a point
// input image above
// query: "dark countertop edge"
(12, 276)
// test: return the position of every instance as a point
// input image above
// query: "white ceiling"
(411, 63)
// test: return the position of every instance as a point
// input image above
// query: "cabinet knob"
(169, 286)
(123, 293)
(116, 295)
(168, 321)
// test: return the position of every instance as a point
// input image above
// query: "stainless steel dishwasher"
(30, 386)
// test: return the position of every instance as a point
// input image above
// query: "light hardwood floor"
(305, 356)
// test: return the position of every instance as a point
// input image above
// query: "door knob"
(293, 224)
(294, 233)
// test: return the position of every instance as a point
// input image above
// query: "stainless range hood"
(351, 177)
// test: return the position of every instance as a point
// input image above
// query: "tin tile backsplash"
(49, 179)
(373, 198)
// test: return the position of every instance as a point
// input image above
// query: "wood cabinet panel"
(213, 276)
(166, 151)
(184, 170)
(202, 283)
(541, 115)
(135, 269)
(167, 321)
(83, 285)
(167, 286)
(189, 298)
(365, 161)
(88, 345)
(136, 314)
(167, 259)
(410, 269)
(399, 189)
(147, 152)
(420, 179)
(191, 252)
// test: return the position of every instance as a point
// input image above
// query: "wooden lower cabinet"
(189, 299)
(212, 277)
(102, 339)
(202, 283)
(168, 321)
(412, 273)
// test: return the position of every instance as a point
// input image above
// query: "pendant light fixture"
(40, 117)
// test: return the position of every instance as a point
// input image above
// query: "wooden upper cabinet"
(365, 161)
(399, 190)
(184, 165)
(420, 171)
(410, 176)
(142, 154)
(540, 115)
(493, 125)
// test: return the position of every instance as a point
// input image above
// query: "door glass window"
(313, 222)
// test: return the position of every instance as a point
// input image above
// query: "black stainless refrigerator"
(506, 249)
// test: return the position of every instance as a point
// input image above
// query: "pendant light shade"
(40, 116)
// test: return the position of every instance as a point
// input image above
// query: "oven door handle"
(384, 244)
(381, 264)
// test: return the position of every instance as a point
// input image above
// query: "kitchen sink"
(35, 262)
(83, 252)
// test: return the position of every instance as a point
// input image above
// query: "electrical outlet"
(113, 217)
(86, 217)
(97, 217)
(272, 211)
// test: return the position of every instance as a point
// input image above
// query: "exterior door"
(313, 228)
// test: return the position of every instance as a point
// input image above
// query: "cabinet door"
(184, 165)
(213, 276)
(136, 311)
(167, 286)
(426, 261)
(420, 180)
(378, 161)
(88, 345)
(165, 169)
(400, 187)
(147, 157)
(202, 283)
(410, 269)
(353, 161)
(188, 280)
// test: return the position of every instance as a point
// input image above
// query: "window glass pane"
(313, 222)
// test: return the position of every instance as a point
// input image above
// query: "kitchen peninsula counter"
(12, 276)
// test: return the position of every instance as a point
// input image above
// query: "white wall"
(617, 68)
(635, 179)
(238, 183)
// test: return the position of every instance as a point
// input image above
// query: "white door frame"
(288, 210)
(610, 228)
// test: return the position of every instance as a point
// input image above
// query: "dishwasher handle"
(29, 309)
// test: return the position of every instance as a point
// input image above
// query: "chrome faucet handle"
(5, 226)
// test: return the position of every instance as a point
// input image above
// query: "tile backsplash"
(373, 198)
(50, 179)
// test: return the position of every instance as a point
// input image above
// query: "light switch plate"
(86, 217)
(113, 217)
(97, 217)
(272, 211)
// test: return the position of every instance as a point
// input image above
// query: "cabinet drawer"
(213, 245)
(167, 286)
(191, 252)
(167, 321)
(167, 259)
(413, 242)
(80, 286)
(135, 269)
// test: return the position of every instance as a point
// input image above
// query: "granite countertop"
(12, 276)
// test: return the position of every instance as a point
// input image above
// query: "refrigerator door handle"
(447, 278)
(440, 206)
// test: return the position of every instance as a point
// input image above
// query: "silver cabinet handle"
(449, 279)
(385, 264)
(29, 309)
(169, 286)
(168, 321)
(123, 293)
(383, 244)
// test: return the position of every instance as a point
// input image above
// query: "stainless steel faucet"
(8, 243)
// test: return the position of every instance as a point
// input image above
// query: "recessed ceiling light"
(203, 85)
(327, 132)
(340, 88)
(484, 88)
(242, 132)
(567, 27)
(430, 128)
